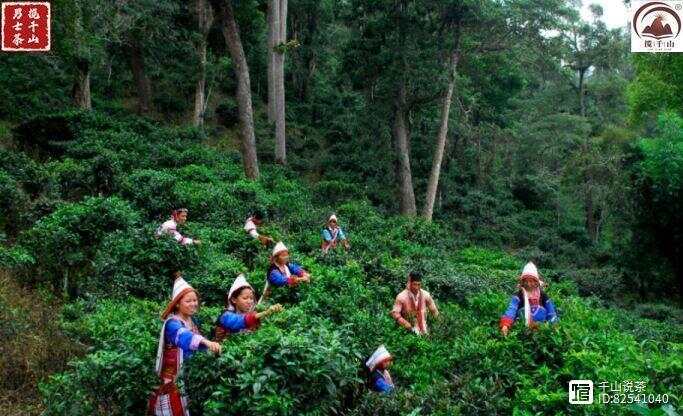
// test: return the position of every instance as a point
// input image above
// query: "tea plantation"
(83, 193)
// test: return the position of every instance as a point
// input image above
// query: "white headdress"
(530, 270)
(377, 357)
(279, 247)
(180, 289)
(240, 282)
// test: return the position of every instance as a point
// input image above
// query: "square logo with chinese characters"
(656, 26)
(25, 27)
(581, 392)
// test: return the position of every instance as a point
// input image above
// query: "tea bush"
(66, 241)
(136, 262)
(305, 369)
(96, 234)
(13, 201)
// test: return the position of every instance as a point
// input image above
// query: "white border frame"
(49, 25)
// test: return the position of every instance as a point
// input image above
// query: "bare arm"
(432, 306)
(396, 314)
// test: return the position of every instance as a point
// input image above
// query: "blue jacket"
(176, 334)
(327, 235)
(379, 384)
(234, 322)
(277, 278)
(544, 312)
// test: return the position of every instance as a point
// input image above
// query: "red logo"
(25, 27)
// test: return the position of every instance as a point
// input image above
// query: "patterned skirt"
(167, 401)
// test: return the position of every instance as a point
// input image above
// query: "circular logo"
(657, 20)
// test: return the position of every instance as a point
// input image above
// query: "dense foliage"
(308, 359)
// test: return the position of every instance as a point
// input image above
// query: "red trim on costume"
(420, 315)
(291, 281)
(251, 320)
(169, 370)
(169, 363)
(506, 321)
(171, 389)
(176, 402)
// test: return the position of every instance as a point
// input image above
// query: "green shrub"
(307, 369)
(151, 191)
(307, 360)
(74, 178)
(64, 242)
(13, 201)
(132, 324)
(32, 176)
(103, 383)
(605, 283)
(117, 378)
(136, 262)
(205, 199)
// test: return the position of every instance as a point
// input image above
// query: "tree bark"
(279, 74)
(81, 88)
(402, 139)
(591, 222)
(142, 83)
(582, 93)
(244, 106)
(273, 36)
(204, 20)
(433, 184)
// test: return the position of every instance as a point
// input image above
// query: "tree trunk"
(582, 93)
(204, 20)
(433, 184)
(81, 88)
(591, 222)
(273, 36)
(279, 78)
(401, 137)
(244, 107)
(142, 83)
(199, 93)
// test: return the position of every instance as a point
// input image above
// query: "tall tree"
(487, 28)
(80, 41)
(433, 184)
(400, 52)
(81, 88)
(589, 45)
(401, 132)
(146, 31)
(392, 58)
(454, 17)
(277, 38)
(204, 18)
(143, 85)
(226, 15)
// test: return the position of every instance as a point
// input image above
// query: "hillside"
(82, 194)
